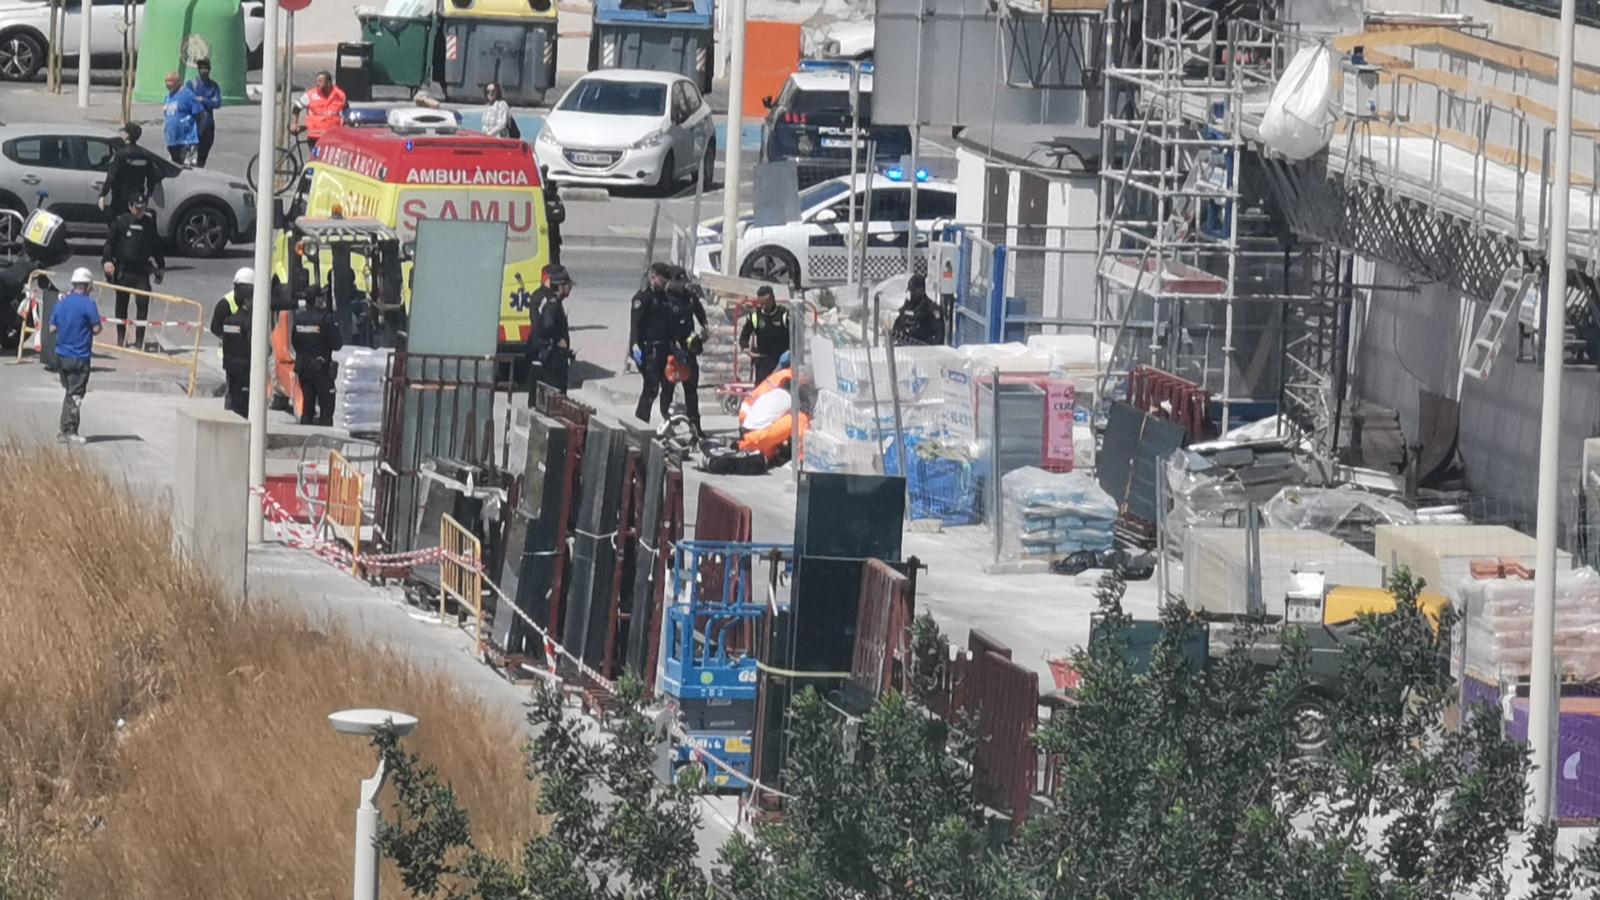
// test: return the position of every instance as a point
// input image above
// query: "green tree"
(615, 832)
(1188, 781)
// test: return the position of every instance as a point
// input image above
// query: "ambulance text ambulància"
(402, 178)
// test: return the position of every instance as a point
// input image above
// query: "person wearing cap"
(650, 338)
(765, 334)
(230, 323)
(316, 335)
(131, 253)
(688, 315)
(550, 344)
(209, 93)
(181, 112)
(919, 321)
(74, 321)
(131, 172)
(323, 106)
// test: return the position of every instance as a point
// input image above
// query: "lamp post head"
(368, 722)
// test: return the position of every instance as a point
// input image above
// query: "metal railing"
(344, 515)
(35, 322)
(461, 573)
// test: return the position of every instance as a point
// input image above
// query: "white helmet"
(81, 275)
(245, 275)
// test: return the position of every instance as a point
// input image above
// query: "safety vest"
(233, 310)
(322, 113)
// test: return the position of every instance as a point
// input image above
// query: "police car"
(813, 250)
(811, 122)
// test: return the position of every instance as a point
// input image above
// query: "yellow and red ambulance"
(400, 177)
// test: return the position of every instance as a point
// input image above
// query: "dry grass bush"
(225, 780)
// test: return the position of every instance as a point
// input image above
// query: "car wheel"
(12, 217)
(21, 55)
(202, 230)
(708, 166)
(773, 264)
(669, 175)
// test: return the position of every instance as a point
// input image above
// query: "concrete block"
(211, 498)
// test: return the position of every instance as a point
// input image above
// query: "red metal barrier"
(882, 659)
(1166, 396)
(719, 517)
(575, 416)
(627, 544)
(1003, 700)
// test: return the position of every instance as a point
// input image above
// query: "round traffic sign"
(293, 5)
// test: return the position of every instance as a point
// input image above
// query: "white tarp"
(1299, 118)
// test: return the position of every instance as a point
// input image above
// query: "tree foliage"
(1174, 779)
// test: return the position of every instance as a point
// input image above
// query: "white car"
(25, 24)
(813, 250)
(629, 127)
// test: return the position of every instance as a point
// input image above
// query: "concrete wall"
(1410, 342)
(210, 491)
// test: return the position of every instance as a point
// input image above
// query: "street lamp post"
(1542, 713)
(261, 309)
(734, 152)
(366, 723)
(85, 58)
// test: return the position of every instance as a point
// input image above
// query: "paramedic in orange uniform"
(323, 106)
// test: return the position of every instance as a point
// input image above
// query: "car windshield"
(815, 102)
(821, 193)
(616, 98)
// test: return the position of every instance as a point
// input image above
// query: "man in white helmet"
(230, 322)
(74, 322)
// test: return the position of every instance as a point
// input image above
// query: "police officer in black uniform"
(688, 328)
(550, 346)
(230, 322)
(555, 213)
(315, 335)
(765, 334)
(650, 337)
(131, 173)
(920, 320)
(131, 253)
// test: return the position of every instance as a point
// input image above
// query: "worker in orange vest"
(768, 417)
(323, 106)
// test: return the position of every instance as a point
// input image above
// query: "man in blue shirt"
(182, 112)
(74, 321)
(209, 93)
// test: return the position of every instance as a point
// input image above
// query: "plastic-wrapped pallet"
(916, 369)
(857, 418)
(1498, 622)
(826, 452)
(1428, 549)
(358, 405)
(1216, 578)
(1052, 514)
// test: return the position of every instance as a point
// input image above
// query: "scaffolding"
(1171, 147)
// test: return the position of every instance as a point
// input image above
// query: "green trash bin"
(402, 49)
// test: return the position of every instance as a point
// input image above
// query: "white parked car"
(25, 26)
(629, 127)
(813, 250)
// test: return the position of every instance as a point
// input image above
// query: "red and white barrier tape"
(304, 537)
(148, 323)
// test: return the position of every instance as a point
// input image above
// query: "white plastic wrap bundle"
(1499, 625)
(916, 369)
(1052, 514)
(358, 406)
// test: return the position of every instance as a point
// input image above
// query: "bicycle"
(287, 164)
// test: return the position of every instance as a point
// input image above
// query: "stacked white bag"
(358, 406)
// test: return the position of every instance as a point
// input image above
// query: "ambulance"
(401, 175)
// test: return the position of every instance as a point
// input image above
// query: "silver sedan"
(63, 167)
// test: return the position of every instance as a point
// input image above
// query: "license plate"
(836, 142)
(592, 159)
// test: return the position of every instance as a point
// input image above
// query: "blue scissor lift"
(708, 674)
